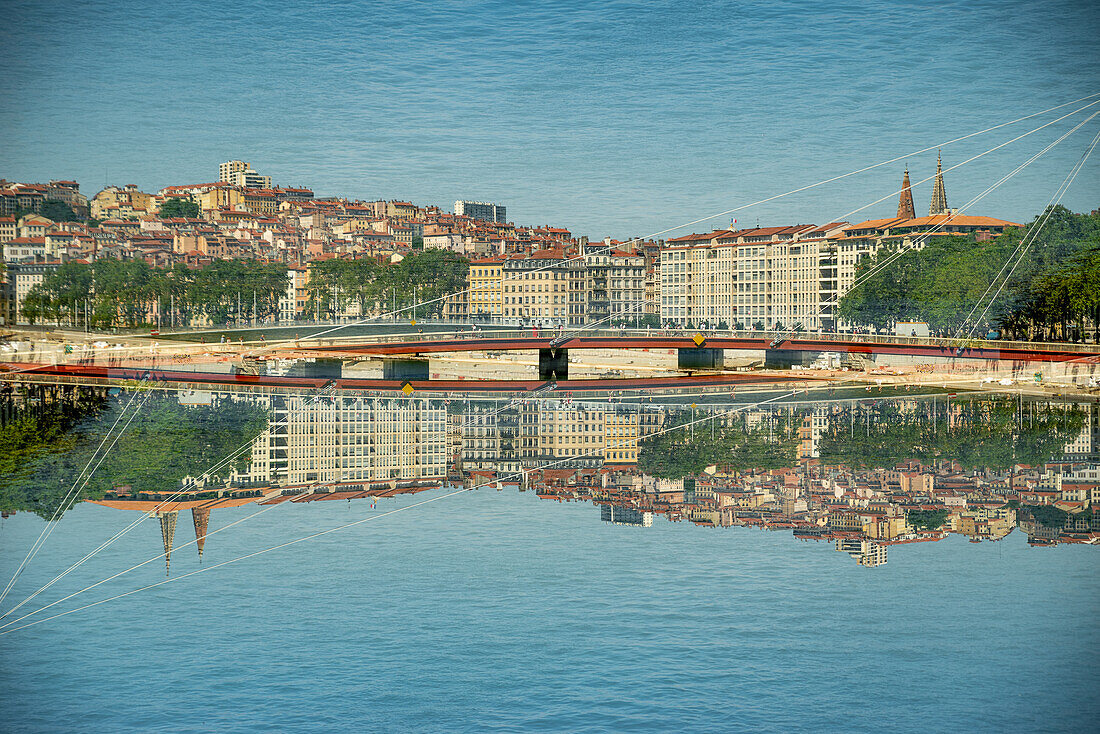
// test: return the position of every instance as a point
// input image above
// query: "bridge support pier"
(331, 368)
(784, 358)
(699, 358)
(405, 369)
(553, 364)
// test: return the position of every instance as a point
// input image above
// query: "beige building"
(8, 229)
(348, 438)
(484, 296)
(124, 202)
(530, 433)
(239, 173)
(223, 196)
(546, 288)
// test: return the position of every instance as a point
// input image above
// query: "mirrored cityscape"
(857, 474)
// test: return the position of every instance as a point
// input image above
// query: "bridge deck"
(1017, 352)
(216, 379)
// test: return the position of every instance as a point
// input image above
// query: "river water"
(500, 611)
(574, 605)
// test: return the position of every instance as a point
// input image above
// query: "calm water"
(614, 118)
(499, 611)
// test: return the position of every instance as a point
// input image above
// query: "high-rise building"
(626, 516)
(481, 210)
(241, 174)
(228, 170)
(865, 552)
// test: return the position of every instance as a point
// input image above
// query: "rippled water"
(499, 611)
(614, 118)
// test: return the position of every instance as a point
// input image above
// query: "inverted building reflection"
(859, 475)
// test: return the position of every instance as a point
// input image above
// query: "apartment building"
(546, 288)
(697, 281)
(346, 438)
(528, 434)
(481, 210)
(614, 285)
(20, 278)
(786, 277)
(239, 173)
(115, 202)
(293, 302)
(483, 298)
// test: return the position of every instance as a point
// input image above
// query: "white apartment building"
(782, 277)
(481, 210)
(293, 301)
(239, 173)
(346, 438)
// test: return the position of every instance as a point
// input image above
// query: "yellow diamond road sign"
(407, 389)
(414, 322)
(698, 339)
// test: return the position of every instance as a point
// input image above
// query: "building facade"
(481, 210)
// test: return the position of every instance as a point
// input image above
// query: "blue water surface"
(620, 118)
(497, 611)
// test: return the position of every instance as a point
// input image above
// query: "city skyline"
(699, 365)
(573, 126)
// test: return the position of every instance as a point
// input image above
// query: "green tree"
(1044, 290)
(927, 519)
(730, 444)
(977, 433)
(42, 456)
(58, 211)
(174, 208)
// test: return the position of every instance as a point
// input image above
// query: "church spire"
(167, 533)
(201, 516)
(939, 194)
(905, 201)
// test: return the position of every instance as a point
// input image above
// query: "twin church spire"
(939, 193)
(906, 210)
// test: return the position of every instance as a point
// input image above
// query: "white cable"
(107, 543)
(4, 631)
(730, 211)
(923, 237)
(1055, 201)
(48, 528)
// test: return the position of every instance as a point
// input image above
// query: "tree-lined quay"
(228, 253)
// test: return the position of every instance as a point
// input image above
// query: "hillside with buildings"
(787, 277)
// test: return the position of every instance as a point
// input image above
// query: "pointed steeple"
(905, 201)
(939, 194)
(167, 533)
(201, 516)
